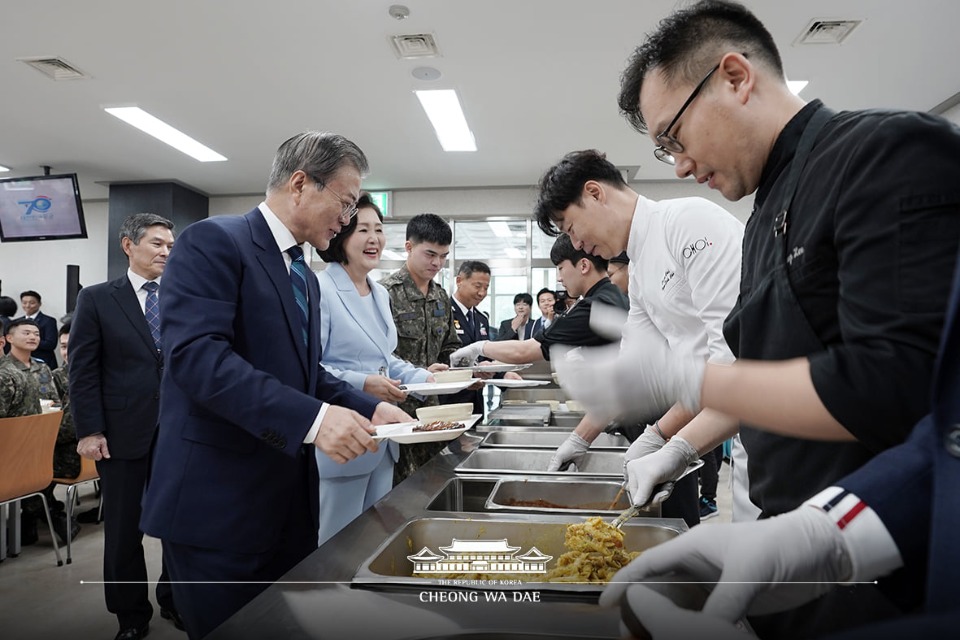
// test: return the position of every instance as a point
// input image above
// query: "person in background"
(547, 303)
(846, 269)
(114, 383)
(23, 336)
(422, 312)
(66, 460)
(520, 327)
(31, 302)
(357, 339)
(618, 270)
(581, 274)
(8, 307)
(470, 323)
(19, 393)
(243, 396)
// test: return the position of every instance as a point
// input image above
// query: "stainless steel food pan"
(497, 460)
(548, 439)
(390, 568)
(561, 495)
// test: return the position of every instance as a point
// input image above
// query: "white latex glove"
(759, 567)
(570, 452)
(638, 383)
(665, 465)
(646, 613)
(649, 442)
(467, 356)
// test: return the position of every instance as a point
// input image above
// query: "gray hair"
(319, 154)
(135, 226)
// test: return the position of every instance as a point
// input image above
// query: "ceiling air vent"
(827, 31)
(418, 45)
(54, 68)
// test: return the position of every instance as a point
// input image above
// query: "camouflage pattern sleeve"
(451, 341)
(18, 397)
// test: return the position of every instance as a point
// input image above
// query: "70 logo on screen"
(40, 204)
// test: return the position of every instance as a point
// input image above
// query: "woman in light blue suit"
(358, 338)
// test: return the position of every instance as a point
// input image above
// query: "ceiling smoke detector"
(418, 45)
(54, 67)
(827, 31)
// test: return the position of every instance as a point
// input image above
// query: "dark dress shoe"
(172, 616)
(90, 516)
(133, 633)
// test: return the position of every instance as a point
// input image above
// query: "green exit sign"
(384, 200)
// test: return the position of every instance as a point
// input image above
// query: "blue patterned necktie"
(151, 311)
(298, 278)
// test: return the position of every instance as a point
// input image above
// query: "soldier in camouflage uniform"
(19, 395)
(422, 313)
(66, 460)
(23, 335)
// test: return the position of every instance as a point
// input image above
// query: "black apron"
(770, 455)
(771, 325)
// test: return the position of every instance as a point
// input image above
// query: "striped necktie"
(298, 278)
(151, 311)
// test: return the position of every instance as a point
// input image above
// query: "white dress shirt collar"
(281, 235)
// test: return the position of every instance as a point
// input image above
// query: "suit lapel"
(349, 298)
(126, 299)
(273, 265)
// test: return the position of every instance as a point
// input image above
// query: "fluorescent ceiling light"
(513, 252)
(500, 228)
(165, 133)
(796, 86)
(3, 168)
(446, 116)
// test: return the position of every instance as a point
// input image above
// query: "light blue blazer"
(357, 340)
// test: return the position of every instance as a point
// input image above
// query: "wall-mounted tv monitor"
(41, 208)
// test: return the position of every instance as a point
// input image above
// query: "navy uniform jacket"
(913, 488)
(239, 393)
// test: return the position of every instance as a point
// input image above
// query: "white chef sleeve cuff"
(873, 553)
(315, 427)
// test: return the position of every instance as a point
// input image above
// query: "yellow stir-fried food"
(595, 553)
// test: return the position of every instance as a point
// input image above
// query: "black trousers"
(683, 502)
(710, 472)
(124, 568)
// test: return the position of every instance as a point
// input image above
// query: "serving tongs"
(661, 491)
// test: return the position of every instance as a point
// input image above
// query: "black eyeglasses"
(349, 210)
(668, 145)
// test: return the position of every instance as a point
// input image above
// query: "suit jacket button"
(952, 440)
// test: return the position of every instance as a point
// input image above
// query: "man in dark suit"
(233, 489)
(519, 327)
(31, 301)
(114, 383)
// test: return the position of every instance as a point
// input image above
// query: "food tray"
(559, 495)
(389, 567)
(503, 460)
(549, 439)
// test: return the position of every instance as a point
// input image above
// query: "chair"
(88, 473)
(26, 462)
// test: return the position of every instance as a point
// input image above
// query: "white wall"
(41, 266)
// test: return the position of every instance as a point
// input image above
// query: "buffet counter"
(318, 598)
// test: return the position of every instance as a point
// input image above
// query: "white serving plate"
(403, 432)
(437, 388)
